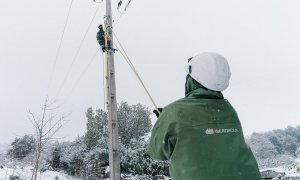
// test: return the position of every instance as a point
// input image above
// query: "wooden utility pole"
(114, 159)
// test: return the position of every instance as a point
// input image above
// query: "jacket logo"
(211, 131)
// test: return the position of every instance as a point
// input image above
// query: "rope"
(103, 82)
(129, 62)
(77, 52)
(59, 46)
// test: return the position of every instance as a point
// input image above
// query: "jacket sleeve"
(163, 138)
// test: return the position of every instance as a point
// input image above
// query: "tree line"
(275, 148)
(87, 156)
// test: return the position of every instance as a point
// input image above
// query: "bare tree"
(46, 126)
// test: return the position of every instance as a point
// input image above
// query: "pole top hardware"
(97, 1)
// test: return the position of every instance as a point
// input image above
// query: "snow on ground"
(3, 148)
(26, 172)
(298, 160)
(289, 172)
(276, 169)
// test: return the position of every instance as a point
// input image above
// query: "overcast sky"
(260, 39)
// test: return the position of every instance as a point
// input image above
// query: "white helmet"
(210, 69)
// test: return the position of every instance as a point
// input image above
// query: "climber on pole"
(201, 134)
(101, 38)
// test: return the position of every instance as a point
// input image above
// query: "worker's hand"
(157, 111)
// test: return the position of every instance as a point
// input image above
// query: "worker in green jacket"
(201, 134)
(101, 37)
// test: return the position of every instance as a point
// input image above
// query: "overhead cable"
(120, 12)
(127, 5)
(77, 52)
(81, 75)
(59, 46)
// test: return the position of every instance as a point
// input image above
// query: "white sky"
(260, 38)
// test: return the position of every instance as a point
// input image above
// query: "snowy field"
(3, 149)
(290, 173)
(26, 172)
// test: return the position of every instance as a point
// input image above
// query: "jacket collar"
(195, 90)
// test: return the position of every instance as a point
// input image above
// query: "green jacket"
(202, 138)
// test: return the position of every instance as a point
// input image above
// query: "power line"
(59, 46)
(127, 5)
(77, 52)
(116, 22)
(120, 12)
(81, 75)
(120, 15)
